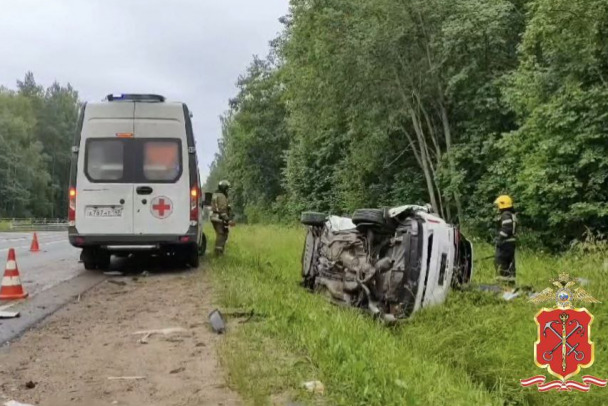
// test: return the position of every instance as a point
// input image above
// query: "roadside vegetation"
(37, 127)
(379, 103)
(472, 350)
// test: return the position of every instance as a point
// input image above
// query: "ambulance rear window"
(133, 160)
(104, 160)
(161, 160)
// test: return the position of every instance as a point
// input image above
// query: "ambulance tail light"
(194, 192)
(72, 207)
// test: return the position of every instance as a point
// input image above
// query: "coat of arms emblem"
(564, 345)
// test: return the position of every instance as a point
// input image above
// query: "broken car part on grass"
(390, 262)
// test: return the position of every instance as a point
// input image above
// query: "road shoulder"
(72, 356)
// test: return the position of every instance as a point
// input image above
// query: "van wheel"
(369, 216)
(90, 265)
(89, 258)
(311, 218)
(193, 257)
(202, 250)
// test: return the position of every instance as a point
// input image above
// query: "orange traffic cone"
(35, 247)
(11, 287)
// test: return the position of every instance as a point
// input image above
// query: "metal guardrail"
(43, 224)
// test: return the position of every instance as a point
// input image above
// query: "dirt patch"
(83, 353)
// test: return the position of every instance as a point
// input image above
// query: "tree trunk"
(448, 142)
(424, 158)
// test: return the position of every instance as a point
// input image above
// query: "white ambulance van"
(134, 181)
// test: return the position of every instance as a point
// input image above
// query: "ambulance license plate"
(104, 211)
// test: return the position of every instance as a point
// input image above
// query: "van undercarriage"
(98, 249)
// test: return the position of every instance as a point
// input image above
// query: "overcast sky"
(187, 50)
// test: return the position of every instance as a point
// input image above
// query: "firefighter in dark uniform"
(505, 242)
(221, 216)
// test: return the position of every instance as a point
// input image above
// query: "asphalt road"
(52, 277)
(57, 260)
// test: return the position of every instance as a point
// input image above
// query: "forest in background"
(36, 131)
(368, 104)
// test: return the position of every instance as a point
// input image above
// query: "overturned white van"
(134, 181)
(391, 262)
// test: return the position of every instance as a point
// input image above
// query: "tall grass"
(471, 351)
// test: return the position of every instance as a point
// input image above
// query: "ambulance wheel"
(90, 265)
(89, 258)
(202, 250)
(194, 259)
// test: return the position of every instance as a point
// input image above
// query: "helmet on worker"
(224, 185)
(504, 202)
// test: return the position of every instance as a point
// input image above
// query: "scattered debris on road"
(178, 370)
(217, 321)
(119, 283)
(8, 315)
(113, 273)
(30, 384)
(125, 378)
(165, 331)
(15, 403)
(314, 387)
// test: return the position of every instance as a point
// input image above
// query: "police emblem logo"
(564, 345)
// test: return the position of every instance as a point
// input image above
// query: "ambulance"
(134, 181)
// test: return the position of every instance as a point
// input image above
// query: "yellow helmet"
(504, 202)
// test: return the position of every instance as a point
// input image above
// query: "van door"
(162, 191)
(104, 199)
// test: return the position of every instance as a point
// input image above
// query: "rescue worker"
(221, 215)
(504, 258)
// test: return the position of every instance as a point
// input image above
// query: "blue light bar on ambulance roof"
(135, 97)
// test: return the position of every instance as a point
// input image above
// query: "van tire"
(311, 218)
(202, 250)
(194, 258)
(90, 265)
(369, 216)
(88, 256)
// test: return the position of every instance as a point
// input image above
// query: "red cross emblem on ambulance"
(161, 207)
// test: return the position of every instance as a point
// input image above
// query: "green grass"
(471, 351)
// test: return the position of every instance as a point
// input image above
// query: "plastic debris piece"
(164, 331)
(217, 321)
(125, 378)
(15, 403)
(510, 295)
(314, 387)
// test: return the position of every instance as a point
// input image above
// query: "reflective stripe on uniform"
(504, 234)
(508, 221)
